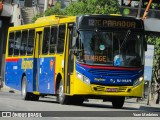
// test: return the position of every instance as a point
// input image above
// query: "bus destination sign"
(112, 23)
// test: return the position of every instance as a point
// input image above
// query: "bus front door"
(69, 59)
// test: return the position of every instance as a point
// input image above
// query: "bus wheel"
(118, 102)
(25, 95)
(61, 97)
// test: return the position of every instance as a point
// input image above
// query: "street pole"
(46, 5)
(139, 9)
(149, 92)
(147, 9)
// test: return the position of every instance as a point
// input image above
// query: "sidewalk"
(143, 104)
(8, 89)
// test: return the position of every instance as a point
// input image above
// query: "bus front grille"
(113, 73)
(106, 88)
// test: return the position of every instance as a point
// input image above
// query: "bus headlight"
(138, 81)
(86, 80)
(83, 78)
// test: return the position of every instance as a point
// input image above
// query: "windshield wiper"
(125, 39)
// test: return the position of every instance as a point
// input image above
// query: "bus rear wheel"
(25, 95)
(118, 102)
(61, 97)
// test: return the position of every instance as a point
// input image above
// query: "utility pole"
(46, 5)
(139, 9)
(147, 10)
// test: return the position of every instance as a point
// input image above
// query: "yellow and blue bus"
(76, 58)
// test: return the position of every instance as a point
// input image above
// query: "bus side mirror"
(75, 52)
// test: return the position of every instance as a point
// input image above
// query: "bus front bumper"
(81, 88)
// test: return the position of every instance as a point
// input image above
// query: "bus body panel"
(84, 89)
(16, 70)
(11, 73)
(112, 76)
(99, 86)
(46, 75)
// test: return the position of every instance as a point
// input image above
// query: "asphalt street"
(49, 108)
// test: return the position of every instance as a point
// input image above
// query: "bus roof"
(53, 17)
(59, 19)
(45, 21)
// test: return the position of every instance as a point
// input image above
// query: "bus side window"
(53, 39)
(23, 48)
(46, 38)
(61, 37)
(30, 43)
(11, 44)
(17, 43)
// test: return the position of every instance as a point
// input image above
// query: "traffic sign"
(149, 55)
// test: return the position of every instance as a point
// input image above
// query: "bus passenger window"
(30, 42)
(17, 43)
(23, 48)
(11, 44)
(53, 40)
(61, 37)
(46, 38)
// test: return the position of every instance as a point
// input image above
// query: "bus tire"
(61, 97)
(25, 95)
(118, 102)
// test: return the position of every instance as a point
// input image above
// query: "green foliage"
(75, 8)
(53, 11)
(36, 17)
(155, 40)
(83, 7)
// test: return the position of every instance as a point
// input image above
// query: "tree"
(83, 7)
(155, 40)
(53, 11)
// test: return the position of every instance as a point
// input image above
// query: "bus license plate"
(111, 89)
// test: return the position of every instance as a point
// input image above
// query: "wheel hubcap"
(61, 92)
(23, 89)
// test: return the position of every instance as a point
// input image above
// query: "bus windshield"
(110, 48)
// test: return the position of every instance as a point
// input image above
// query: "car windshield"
(110, 48)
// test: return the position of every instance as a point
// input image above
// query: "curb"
(8, 89)
(143, 103)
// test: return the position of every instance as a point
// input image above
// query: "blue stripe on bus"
(46, 70)
(110, 76)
